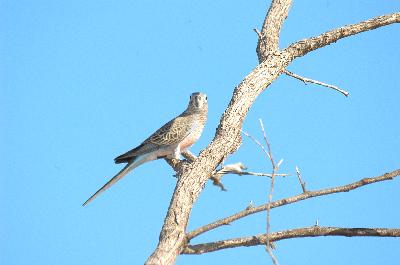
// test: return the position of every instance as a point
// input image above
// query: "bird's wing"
(171, 133)
(142, 149)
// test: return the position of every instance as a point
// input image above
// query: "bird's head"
(197, 102)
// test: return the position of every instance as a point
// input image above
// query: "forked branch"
(192, 176)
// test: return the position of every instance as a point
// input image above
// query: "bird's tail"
(131, 165)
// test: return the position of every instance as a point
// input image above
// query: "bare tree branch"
(275, 168)
(193, 176)
(313, 231)
(236, 168)
(258, 143)
(305, 46)
(189, 155)
(289, 200)
(227, 139)
(302, 183)
(269, 175)
(308, 80)
(268, 41)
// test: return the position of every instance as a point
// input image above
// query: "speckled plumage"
(169, 141)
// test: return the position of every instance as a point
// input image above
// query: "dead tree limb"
(306, 80)
(313, 231)
(193, 176)
(302, 47)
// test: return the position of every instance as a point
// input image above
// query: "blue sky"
(83, 81)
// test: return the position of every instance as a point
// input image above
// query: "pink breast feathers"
(191, 138)
(188, 141)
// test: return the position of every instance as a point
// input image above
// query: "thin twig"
(268, 145)
(260, 37)
(257, 143)
(258, 33)
(313, 231)
(271, 190)
(293, 199)
(302, 183)
(269, 175)
(238, 169)
(268, 153)
(308, 80)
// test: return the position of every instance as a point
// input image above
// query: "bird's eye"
(206, 97)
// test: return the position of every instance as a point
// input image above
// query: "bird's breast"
(189, 140)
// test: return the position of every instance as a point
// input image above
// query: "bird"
(169, 141)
